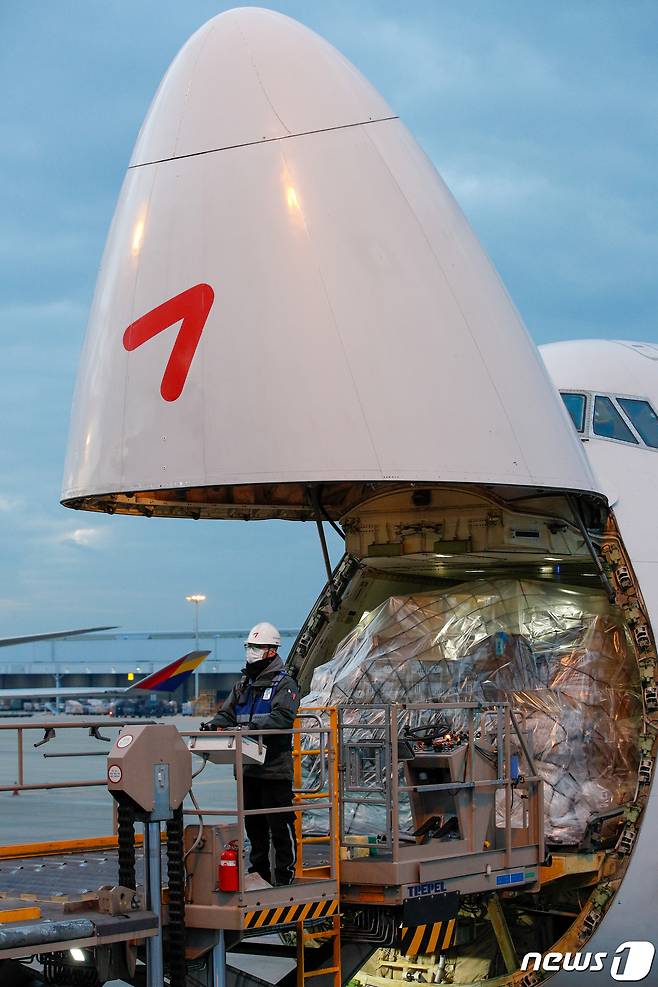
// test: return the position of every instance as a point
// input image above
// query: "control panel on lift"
(221, 748)
(433, 755)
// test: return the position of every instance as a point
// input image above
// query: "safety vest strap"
(255, 707)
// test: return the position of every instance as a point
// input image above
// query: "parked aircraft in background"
(8, 642)
(166, 679)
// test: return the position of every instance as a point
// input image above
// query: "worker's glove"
(207, 726)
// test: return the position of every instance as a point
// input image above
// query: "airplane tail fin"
(169, 678)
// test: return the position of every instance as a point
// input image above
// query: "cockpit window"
(643, 417)
(608, 423)
(575, 405)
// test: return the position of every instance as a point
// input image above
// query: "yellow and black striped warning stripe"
(287, 914)
(421, 940)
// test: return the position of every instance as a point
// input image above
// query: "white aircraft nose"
(252, 75)
(289, 294)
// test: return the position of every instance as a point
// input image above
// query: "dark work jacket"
(283, 705)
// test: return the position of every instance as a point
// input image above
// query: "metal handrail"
(298, 752)
(240, 813)
(20, 785)
(389, 730)
(332, 838)
(317, 796)
(110, 721)
(54, 725)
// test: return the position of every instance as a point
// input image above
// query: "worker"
(266, 696)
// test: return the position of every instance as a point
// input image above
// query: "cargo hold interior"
(458, 594)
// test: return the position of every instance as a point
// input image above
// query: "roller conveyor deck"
(65, 876)
(54, 901)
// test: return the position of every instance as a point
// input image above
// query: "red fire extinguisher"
(227, 872)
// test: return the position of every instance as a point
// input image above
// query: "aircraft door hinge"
(600, 900)
(642, 636)
(531, 979)
(623, 578)
(626, 841)
(650, 694)
(645, 770)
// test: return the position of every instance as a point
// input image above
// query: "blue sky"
(542, 119)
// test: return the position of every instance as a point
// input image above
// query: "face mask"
(252, 653)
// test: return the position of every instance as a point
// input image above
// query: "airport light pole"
(196, 599)
(58, 677)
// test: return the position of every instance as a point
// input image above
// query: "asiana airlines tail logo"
(631, 962)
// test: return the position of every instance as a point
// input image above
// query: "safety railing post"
(471, 777)
(20, 768)
(392, 794)
(153, 881)
(218, 960)
(508, 788)
(333, 792)
(340, 774)
(297, 798)
(239, 777)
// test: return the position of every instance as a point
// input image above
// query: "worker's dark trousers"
(264, 793)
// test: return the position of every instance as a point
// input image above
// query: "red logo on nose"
(190, 308)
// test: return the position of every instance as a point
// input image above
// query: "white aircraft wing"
(6, 642)
(68, 692)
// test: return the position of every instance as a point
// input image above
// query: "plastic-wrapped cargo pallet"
(560, 655)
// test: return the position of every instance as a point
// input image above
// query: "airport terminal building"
(119, 659)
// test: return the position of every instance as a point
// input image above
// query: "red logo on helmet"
(190, 308)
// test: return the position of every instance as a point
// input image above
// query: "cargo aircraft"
(294, 320)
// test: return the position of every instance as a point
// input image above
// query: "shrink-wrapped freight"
(560, 655)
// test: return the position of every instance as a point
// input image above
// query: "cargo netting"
(560, 655)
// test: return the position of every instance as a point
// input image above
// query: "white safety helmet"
(264, 633)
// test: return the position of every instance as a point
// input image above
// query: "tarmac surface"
(77, 813)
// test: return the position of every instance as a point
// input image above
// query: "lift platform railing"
(50, 728)
(312, 722)
(325, 755)
(313, 896)
(470, 791)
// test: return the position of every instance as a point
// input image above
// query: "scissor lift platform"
(300, 901)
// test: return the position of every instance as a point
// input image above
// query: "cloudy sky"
(540, 116)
